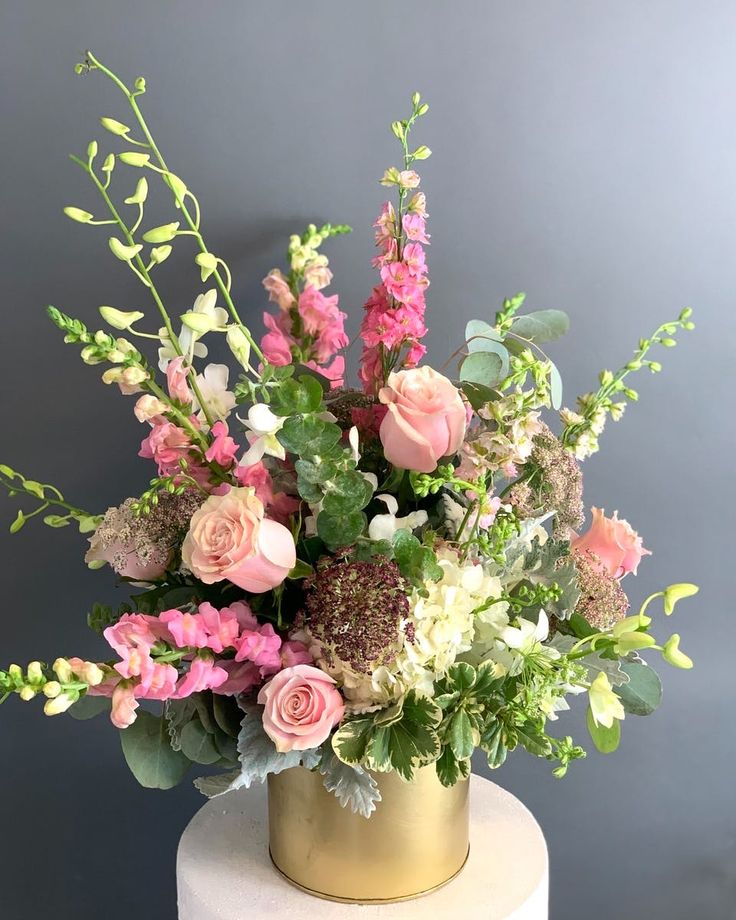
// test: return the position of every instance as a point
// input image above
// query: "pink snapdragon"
(166, 445)
(276, 344)
(278, 289)
(223, 449)
(176, 380)
(203, 674)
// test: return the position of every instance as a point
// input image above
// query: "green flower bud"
(27, 693)
(415, 99)
(119, 319)
(123, 252)
(127, 348)
(422, 153)
(672, 654)
(390, 177)
(631, 641)
(82, 217)
(423, 109)
(668, 343)
(131, 158)
(398, 129)
(34, 673)
(655, 367)
(686, 313)
(91, 356)
(141, 192)
(199, 322)
(160, 254)
(140, 84)
(114, 127)
(239, 345)
(109, 163)
(16, 673)
(161, 234)
(52, 689)
(63, 670)
(675, 593)
(606, 378)
(207, 263)
(177, 185)
(92, 150)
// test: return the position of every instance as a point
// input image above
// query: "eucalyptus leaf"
(478, 332)
(87, 707)
(340, 530)
(488, 367)
(148, 753)
(643, 692)
(198, 744)
(541, 325)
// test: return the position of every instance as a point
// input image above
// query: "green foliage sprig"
(48, 496)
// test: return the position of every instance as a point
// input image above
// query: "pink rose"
(613, 543)
(229, 538)
(301, 707)
(425, 421)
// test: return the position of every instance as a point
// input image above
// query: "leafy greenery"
(149, 754)
(642, 693)
(353, 786)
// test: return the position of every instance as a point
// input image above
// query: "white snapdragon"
(384, 526)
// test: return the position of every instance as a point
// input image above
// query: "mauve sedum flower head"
(602, 599)
(354, 611)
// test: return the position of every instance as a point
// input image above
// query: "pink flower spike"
(415, 228)
(188, 629)
(242, 676)
(261, 646)
(223, 449)
(202, 675)
(278, 289)
(221, 625)
(158, 681)
(244, 615)
(414, 259)
(176, 379)
(124, 705)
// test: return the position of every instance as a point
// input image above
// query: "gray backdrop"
(584, 152)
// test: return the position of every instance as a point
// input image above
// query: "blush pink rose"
(230, 538)
(425, 421)
(613, 543)
(301, 707)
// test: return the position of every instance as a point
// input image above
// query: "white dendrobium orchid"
(212, 385)
(263, 426)
(206, 316)
(384, 526)
(604, 704)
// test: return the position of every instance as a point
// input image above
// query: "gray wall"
(584, 152)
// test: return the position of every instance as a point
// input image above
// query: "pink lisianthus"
(176, 380)
(278, 289)
(425, 420)
(203, 674)
(415, 227)
(223, 449)
(276, 344)
(612, 544)
(230, 538)
(301, 707)
(124, 705)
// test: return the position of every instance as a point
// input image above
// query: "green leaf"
(308, 436)
(56, 521)
(315, 473)
(643, 692)
(478, 395)
(487, 368)
(148, 753)
(349, 491)
(580, 627)
(350, 741)
(450, 769)
(87, 707)
(460, 735)
(301, 570)
(212, 786)
(461, 675)
(493, 742)
(353, 786)
(340, 530)
(605, 739)
(227, 713)
(532, 741)
(478, 333)
(198, 744)
(298, 396)
(541, 325)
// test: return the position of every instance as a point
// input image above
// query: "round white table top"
(224, 871)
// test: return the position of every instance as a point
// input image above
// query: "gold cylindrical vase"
(414, 842)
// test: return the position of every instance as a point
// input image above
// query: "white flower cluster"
(440, 627)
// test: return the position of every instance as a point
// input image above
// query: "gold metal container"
(415, 841)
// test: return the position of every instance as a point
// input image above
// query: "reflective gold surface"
(415, 841)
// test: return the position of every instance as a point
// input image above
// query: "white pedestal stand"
(224, 871)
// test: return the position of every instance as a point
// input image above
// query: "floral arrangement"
(352, 579)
